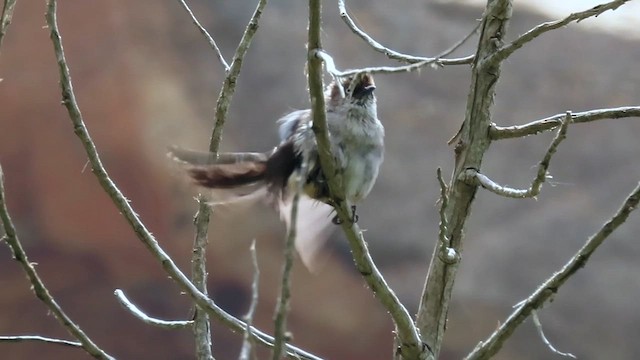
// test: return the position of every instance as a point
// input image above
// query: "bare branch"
(530, 35)
(229, 85)
(5, 19)
(282, 307)
(436, 62)
(395, 55)
(165, 324)
(201, 325)
(204, 32)
(486, 349)
(472, 143)
(508, 132)
(391, 54)
(538, 324)
(245, 352)
(124, 207)
(447, 253)
(201, 328)
(21, 338)
(473, 177)
(411, 345)
(37, 285)
(415, 62)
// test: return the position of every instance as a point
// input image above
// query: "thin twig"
(5, 20)
(530, 35)
(409, 68)
(473, 177)
(411, 345)
(538, 325)
(395, 55)
(229, 84)
(486, 349)
(37, 285)
(204, 32)
(21, 338)
(282, 307)
(508, 132)
(245, 351)
(133, 309)
(124, 207)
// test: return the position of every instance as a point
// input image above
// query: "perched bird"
(356, 137)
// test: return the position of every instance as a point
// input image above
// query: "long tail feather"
(229, 177)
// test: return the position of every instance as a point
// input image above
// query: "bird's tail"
(239, 177)
(229, 177)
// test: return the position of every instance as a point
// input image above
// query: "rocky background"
(145, 79)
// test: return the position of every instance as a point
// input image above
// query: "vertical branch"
(410, 345)
(245, 352)
(472, 142)
(229, 85)
(282, 308)
(37, 285)
(201, 328)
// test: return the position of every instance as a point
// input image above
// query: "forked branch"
(489, 347)
(38, 286)
(473, 177)
(532, 34)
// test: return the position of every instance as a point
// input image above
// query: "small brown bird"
(356, 136)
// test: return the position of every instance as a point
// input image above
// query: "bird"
(356, 138)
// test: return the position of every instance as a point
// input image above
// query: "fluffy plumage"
(356, 137)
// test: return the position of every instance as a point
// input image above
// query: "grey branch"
(411, 345)
(133, 309)
(229, 84)
(5, 19)
(412, 67)
(245, 351)
(538, 324)
(202, 330)
(473, 177)
(415, 62)
(282, 307)
(447, 253)
(204, 32)
(21, 338)
(508, 132)
(201, 325)
(37, 285)
(486, 349)
(530, 35)
(473, 142)
(395, 55)
(123, 205)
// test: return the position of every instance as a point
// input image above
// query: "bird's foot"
(354, 217)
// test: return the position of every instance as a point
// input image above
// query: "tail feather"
(313, 228)
(243, 177)
(229, 177)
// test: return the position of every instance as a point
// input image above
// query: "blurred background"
(145, 78)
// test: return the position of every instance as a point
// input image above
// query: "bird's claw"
(354, 217)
